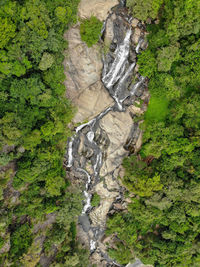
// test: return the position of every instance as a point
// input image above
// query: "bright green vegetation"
(90, 30)
(34, 114)
(157, 109)
(162, 224)
(144, 9)
(95, 200)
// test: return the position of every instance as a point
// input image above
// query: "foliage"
(20, 240)
(90, 30)
(157, 109)
(95, 200)
(161, 225)
(46, 61)
(34, 114)
(63, 233)
(144, 9)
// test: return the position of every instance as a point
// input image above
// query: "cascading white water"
(136, 86)
(70, 150)
(79, 128)
(121, 52)
(139, 45)
(86, 194)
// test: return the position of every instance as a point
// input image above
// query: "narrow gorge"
(104, 84)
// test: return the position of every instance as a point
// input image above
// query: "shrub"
(90, 30)
(95, 200)
(20, 240)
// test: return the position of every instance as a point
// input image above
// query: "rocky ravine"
(103, 90)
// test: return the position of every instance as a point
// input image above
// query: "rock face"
(109, 34)
(97, 8)
(83, 67)
(98, 215)
(117, 125)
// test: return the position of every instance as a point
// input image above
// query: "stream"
(117, 74)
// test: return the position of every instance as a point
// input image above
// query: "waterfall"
(117, 68)
(116, 76)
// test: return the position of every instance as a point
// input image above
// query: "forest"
(162, 224)
(34, 114)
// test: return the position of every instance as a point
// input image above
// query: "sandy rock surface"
(83, 67)
(117, 126)
(98, 8)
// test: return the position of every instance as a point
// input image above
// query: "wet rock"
(89, 168)
(98, 8)
(119, 29)
(85, 223)
(132, 56)
(109, 34)
(139, 92)
(82, 236)
(81, 145)
(101, 138)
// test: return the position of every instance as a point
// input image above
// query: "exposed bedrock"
(98, 8)
(83, 67)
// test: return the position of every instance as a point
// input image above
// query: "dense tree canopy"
(34, 114)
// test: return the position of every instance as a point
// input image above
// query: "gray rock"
(85, 223)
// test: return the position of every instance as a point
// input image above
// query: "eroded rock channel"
(104, 84)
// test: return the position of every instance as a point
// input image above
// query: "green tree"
(144, 9)
(7, 31)
(46, 61)
(90, 30)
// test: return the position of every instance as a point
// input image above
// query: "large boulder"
(117, 125)
(99, 214)
(82, 64)
(83, 67)
(97, 8)
(91, 102)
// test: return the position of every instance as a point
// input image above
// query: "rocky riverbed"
(104, 84)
